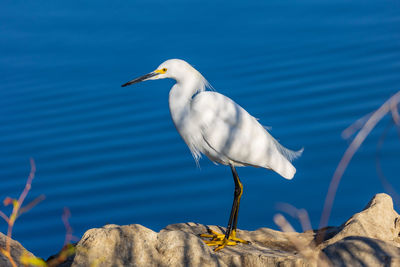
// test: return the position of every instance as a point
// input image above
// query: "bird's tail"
(285, 167)
(290, 155)
(286, 170)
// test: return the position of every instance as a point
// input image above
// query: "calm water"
(112, 155)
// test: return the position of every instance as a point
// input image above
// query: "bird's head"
(176, 69)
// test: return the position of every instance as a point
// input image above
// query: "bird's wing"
(233, 134)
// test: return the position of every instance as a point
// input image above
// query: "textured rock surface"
(17, 250)
(369, 238)
(362, 251)
(378, 220)
(180, 245)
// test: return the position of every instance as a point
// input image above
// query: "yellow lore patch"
(161, 71)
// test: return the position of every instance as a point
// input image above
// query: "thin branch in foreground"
(68, 236)
(395, 113)
(15, 212)
(300, 214)
(31, 204)
(351, 150)
(355, 126)
(4, 216)
(385, 182)
(68, 248)
(307, 250)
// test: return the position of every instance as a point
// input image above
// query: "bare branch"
(31, 204)
(17, 206)
(385, 182)
(280, 220)
(395, 112)
(308, 250)
(350, 151)
(28, 183)
(300, 214)
(355, 126)
(68, 236)
(68, 228)
(4, 216)
(304, 219)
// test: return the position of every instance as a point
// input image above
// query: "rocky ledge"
(368, 238)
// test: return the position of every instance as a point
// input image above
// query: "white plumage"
(214, 125)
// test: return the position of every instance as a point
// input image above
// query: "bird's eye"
(164, 70)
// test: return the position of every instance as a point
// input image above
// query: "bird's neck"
(180, 98)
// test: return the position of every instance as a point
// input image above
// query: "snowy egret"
(212, 124)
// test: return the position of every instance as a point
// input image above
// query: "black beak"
(141, 79)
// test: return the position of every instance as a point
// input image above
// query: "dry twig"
(389, 106)
(17, 211)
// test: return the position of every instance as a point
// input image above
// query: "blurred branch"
(355, 126)
(300, 214)
(385, 182)
(2, 215)
(31, 204)
(28, 184)
(68, 248)
(307, 250)
(66, 215)
(68, 236)
(395, 113)
(389, 106)
(15, 212)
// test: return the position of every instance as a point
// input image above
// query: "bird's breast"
(185, 124)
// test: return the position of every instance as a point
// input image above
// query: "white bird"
(214, 125)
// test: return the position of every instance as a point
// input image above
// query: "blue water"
(308, 69)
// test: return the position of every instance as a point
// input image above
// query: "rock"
(378, 220)
(179, 245)
(363, 252)
(115, 245)
(369, 238)
(17, 250)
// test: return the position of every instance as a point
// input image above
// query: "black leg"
(240, 185)
(232, 223)
(229, 238)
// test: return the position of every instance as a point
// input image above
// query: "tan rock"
(17, 250)
(180, 245)
(177, 245)
(363, 252)
(369, 238)
(378, 220)
(114, 245)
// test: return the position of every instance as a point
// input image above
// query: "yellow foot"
(219, 240)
